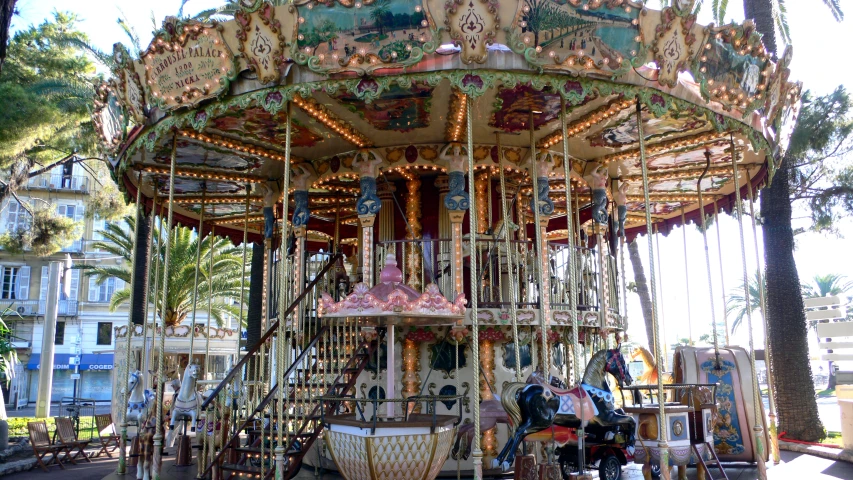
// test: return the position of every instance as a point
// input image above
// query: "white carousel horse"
(138, 400)
(187, 401)
(147, 427)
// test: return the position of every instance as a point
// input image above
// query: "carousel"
(437, 197)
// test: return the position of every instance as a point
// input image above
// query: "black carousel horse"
(533, 407)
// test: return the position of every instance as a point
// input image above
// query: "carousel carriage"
(494, 168)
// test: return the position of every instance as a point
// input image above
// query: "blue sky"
(818, 42)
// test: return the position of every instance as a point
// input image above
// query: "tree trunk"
(256, 296)
(7, 9)
(761, 12)
(140, 273)
(643, 292)
(786, 317)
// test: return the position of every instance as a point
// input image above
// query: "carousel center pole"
(124, 372)
(757, 429)
(158, 436)
(542, 248)
(282, 346)
(573, 299)
(662, 425)
(762, 297)
(475, 330)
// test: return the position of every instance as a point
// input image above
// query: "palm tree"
(642, 290)
(829, 284)
(381, 9)
(736, 303)
(222, 284)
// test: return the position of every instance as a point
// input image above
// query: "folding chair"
(106, 434)
(67, 436)
(40, 441)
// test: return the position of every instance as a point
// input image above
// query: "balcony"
(32, 308)
(71, 183)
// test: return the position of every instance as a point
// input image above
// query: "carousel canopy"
(389, 79)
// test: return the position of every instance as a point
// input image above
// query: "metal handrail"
(270, 332)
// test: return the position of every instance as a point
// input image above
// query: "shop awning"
(88, 361)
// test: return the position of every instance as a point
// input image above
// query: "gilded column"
(385, 191)
(540, 167)
(413, 215)
(481, 190)
(367, 163)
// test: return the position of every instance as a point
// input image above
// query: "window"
(16, 217)
(16, 283)
(103, 292)
(105, 333)
(67, 211)
(59, 338)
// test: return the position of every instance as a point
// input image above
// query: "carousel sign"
(188, 66)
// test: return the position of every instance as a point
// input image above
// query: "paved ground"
(55, 410)
(793, 466)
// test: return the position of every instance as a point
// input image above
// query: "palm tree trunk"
(786, 317)
(787, 328)
(140, 273)
(7, 9)
(256, 296)
(761, 12)
(643, 292)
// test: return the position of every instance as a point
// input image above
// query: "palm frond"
(181, 8)
(101, 57)
(780, 18)
(720, 13)
(835, 7)
(130, 31)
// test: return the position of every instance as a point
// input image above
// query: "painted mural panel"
(734, 69)
(192, 185)
(658, 208)
(397, 109)
(226, 210)
(513, 107)
(260, 125)
(595, 35)
(385, 28)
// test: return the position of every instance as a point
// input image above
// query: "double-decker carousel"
(458, 182)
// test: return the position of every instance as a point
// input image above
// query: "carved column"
(488, 337)
(366, 222)
(457, 201)
(413, 215)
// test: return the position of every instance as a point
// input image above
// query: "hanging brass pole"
(708, 257)
(687, 278)
(195, 277)
(573, 283)
(757, 429)
(147, 353)
(762, 296)
(158, 436)
(513, 283)
(475, 327)
(282, 344)
(663, 357)
(722, 280)
(662, 425)
(542, 248)
(125, 371)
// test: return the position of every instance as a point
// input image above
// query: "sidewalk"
(55, 410)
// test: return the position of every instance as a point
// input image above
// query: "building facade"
(84, 340)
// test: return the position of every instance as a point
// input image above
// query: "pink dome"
(390, 273)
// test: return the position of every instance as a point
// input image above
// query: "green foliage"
(49, 79)
(820, 153)
(736, 302)
(222, 284)
(47, 233)
(829, 284)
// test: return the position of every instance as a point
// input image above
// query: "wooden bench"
(42, 445)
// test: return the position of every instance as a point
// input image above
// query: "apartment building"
(84, 334)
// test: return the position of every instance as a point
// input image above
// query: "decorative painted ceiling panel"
(192, 185)
(397, 109)
(622, 131)
(204, 155)
(260, 125)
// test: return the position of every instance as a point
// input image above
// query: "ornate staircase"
(324, 360)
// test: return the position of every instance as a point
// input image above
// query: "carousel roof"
(392, 77)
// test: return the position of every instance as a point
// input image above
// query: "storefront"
(94, 381)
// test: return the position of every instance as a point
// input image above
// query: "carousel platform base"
(794, 465)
